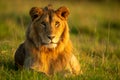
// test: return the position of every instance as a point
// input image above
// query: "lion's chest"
(46, 62)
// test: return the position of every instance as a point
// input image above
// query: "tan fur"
(47, 47)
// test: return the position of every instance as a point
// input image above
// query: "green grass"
(94, 30)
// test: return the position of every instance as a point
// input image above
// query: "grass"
(94, 30)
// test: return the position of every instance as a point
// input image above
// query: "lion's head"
(49, 27)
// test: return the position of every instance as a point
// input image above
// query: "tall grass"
(94, 30)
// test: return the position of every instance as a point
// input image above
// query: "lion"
(47, 47)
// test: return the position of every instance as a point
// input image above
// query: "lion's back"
(20, 56)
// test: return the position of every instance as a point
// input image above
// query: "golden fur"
(47, 47)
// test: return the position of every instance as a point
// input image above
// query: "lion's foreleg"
(75, 66)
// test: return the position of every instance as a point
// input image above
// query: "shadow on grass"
(112, 24)
(8, 65)
(74, 30)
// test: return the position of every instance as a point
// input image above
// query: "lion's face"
(49, 25)
(49, 30)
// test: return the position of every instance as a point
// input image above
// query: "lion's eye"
(43, 24)
(57, 24)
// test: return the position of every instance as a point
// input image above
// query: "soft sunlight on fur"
(47, 47)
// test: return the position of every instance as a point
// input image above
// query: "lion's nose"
(51, 37)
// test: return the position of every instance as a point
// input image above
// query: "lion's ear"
(63, 12)
(35, 12)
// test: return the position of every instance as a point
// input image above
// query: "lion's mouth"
(50, 45)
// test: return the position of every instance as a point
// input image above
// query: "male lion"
(47, 47)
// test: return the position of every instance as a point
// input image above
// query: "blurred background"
(94, 30)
